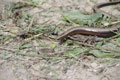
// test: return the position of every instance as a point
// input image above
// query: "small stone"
(94, 65)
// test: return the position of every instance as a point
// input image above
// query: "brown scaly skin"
(108, 32)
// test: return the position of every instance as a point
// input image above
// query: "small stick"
(9, 50)
(98, 47)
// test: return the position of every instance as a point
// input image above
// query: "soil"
(17, 67)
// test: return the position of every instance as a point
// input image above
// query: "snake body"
(101, 32)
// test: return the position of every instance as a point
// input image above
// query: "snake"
(100, 32)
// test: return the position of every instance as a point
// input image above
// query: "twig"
(31, 22)
(27, 29)
(114, 23)
(108, 49)
(30, 4)
(35, 36)
(24, 54)
(9, 50)
(114, 42)
(98, 47)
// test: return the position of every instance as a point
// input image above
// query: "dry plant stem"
(35, 36)
(17, 52)
(27, 29)
(8, 41)
(31, 22)
(28, 3)
(114, 42)
(114, 23)
(23, 54)
(108, 49)
(9, 50)
(97, 47)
